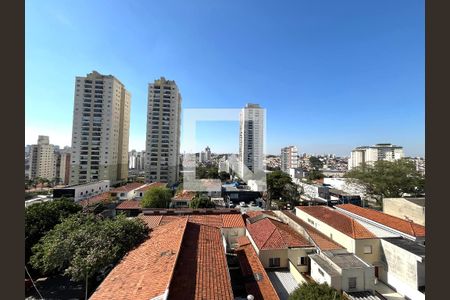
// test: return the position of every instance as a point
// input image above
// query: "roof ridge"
(262, 246)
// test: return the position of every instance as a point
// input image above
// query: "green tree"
(157, 197)
(42, 217)
(280, 185)
(315, 291)
(201, 201)
(385, 179)
(315, 175)
(315, 163)
(207, 172)
(224, 176)
(84, 246)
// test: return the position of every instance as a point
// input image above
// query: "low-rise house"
(406, 208)
(384, 223)
(130, 208)
(180, 260)
(139, 192)
(182, 199)
(82, 191)
(343, 271)
(278, 245)
(126, 192)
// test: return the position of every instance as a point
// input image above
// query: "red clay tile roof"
(100, 198)
(127, 188)
(270, 234)
(402, 225)
(151, 221)
(251, 265)
(185, 195)
(254, 213)
(321, 240)
(129, 204)
(338, 221)
(146, 271)
(201, 271)
(219, 221)
(150, 186)
(232, 220)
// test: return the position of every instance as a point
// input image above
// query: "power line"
(26, 269)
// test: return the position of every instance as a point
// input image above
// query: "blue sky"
(332, 75)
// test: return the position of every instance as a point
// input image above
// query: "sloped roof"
(201, 271)
(258, 283)
(338, 221)
(150, 186)
(402, 225)
(270, 234)
(321, 240)
(146, 271)
(127, 188)
(100, 198)
(129, 204)
(219, 221)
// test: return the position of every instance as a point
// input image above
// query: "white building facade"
(371, 154)
(289, 158)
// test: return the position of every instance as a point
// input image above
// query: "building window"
(352, 283)
(320, 272)
(274, 262)
(367, 249)
(301, 261)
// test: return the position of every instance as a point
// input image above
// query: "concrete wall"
(402, 270)
(231, 235)
(402, 208)
(295, 253)
(296, 274)
(364, 279)
(372, 258)
(333, 281)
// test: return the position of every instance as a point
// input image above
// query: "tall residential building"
(251, 138)
(101, 123)
(289, 158)
(371, 154)
(207, 153)
(163, 131)
(42, 159)
(132, 159)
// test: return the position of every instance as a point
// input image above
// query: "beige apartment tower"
(42, 159)
(370, 154)
(163, 132)
(289, 158)
(100, 134)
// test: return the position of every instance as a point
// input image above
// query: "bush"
(315, 291)
(157, 197)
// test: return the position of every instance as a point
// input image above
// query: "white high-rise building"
(163, 131)
(100, 134)
(371, 154)
(289, 158)
(42, 159)
(251, 139)
(207, 153)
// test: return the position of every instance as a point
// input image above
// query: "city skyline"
(331, 79)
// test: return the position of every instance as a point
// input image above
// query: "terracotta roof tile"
(129, 204)
(338, 221)
(100, 198)
(251, 268)
(321, 240)
(232, 220)
(127, 188)
(402, 225)
(151, 221)
(146, 271)
(270, 234)
(201, 271)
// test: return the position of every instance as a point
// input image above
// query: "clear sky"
(332, 75)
